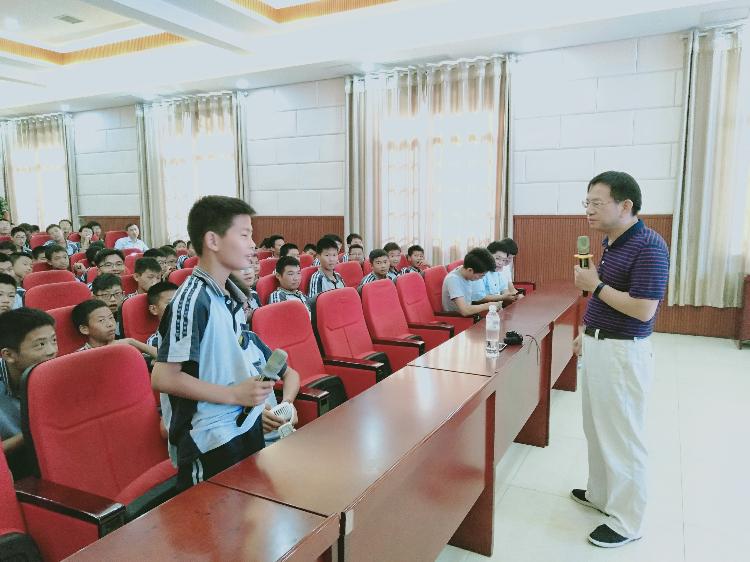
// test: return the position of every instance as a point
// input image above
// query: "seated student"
(94, 319)
(245, 280)
(37, 255)
(58, 238)
(7, 247)
(289, 276)
(415, 256)
(255, 264)
(179, 245)
(27, 337)
(275, 242)
(457, 288)
(107, 287)
(310, 250)
(354, 239)
(6, 265)
(326, 278)
(394, 257)
(339, 244)
(57, 257)
(66, 226)
(171, 256)
(21, 268)
(131, 240)
(495, 286)
(8, 295)
(20, 239)
(80, 270)
(86, 235)
(510, 248)
(160, 257)
(289, 249)
(159, 296)
(147, 273)
(190, 254)
(96, 228)
(380, 265)
(356, 253)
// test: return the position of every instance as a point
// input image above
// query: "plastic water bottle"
(492, 330)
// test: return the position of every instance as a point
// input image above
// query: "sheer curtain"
(427, 156)
(39, 183)
(709, 234)
(189, 148)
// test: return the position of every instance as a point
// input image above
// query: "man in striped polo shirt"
(617, 357)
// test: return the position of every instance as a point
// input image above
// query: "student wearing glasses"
(107, 287)
(497, 286)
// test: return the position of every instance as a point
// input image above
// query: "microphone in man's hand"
(583, 256)
(270, 372)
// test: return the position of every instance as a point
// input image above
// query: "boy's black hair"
(51, 226)
(273, 238)
(284, 250)
(6, 279)
(335, 237)
(214, 213)
(93, 249)
(34, 228)
(8, 245)
(154, 253)
(310, 246)
(81, 311)
(70, 222)
(353, 246)
(131, 224)
(479, 260)
(92, 224)
(377, 253)
(15, 256)
(155, 291)
(286, 261)
(391, 247)
(414, 248)
(16, 324)
(17, 229)
(85, 226)
(36, 252)
(108, 252)
(53, 249)
(166, 250)
(326, 243)
(105, 281)
(622, 186)
(177, 242)
(506, 245)
(146, 264)
(351, 237)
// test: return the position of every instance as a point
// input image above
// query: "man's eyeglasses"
(109, 296)
(596, 204)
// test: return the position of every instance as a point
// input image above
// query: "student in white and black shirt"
(380, 266)
(326, 279)
(289, 277)
(415, 256)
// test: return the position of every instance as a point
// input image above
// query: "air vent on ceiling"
(68, 19)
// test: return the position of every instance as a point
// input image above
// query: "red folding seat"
(130, 260)
(265, 286)
(15, 541)
(178, 276)
(342, 331)
(55, 295)
(74, 236)
(112, 236)
(78, 256)
(129, 284)
(453, 265)
(385, 318)
(137, 322)
(305, 260)
(263, 254)
(90, 423)
(307, 273)
(6, 238)
(403, 263)
(91, 274)
(39, 240)
(131, 251)
(69, 339)
(366, 266)
(351, 271)
(433, 283)
(286, 325)
(41, 266)
(190, 262)
(37, 278)
(267, 266)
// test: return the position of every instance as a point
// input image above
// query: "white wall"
(583, 110)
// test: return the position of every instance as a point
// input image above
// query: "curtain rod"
(455, 62)
(189, 96)
(29, 117)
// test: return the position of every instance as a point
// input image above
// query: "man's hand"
(252, 392)
(586, 279)
(79, 269)
(270, 421)
(577, 348)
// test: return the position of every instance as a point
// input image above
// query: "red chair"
(178, 276)
(6, 238)
(137, 321)
(39, 240)
(263, 254)
(131, 251)
(41, 266)
(385, 318)
(130, 259)
(69, 339)
(15, 541)
(366, 267)
(265, 286)
(190, 262)
(433, 281)
(307, 273)
(181, 252)
(37, 278)
(267, 266)
(416, 306)
(112, 236)
(305, 260)
(96, 430)
(91, 274)
(74, 236)
(286, 325)
(79, 256)
(129, 284)
(342, 331)
(403, 263)
(351, 271)
(56, 295)
(453, 265)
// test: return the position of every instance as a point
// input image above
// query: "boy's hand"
(270, 421)
(78, 268)
(577, 346)
(251, 392)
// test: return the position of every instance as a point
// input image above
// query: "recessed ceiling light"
(11, 24)
(68, 19)
(242, 83)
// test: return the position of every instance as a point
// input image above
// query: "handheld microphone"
(270, 371)
(584, 254)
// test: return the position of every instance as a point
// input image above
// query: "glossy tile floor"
(699, 483)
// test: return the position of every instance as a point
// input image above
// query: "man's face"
(356, 254)
(112, 264)
(381, 265)
(59, 260)
(112, 296)
(255, 265)
(147, 279)
(416, 258)
(19, 239)
(22, 267)
(603, 212)
(5, 227)
(329, 258)
(171, 262)
(101, 326)
(6, 267)
(162, 261)
(236, 248)
(310, 252)
(66, 228)
(7, 297)
(39, 345)
(97, 230)
(180, 246)
(247, 276)
(394, 256)
(86, 233)
(293, 252)
(56, 234)
(133, 231)
(501, 260)
(277, 246)
(471, 276)
(291, 278)
(161, 305)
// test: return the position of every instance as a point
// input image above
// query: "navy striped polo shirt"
(637, 262)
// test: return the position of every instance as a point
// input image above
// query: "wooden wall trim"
(299, 230)
(113, 223)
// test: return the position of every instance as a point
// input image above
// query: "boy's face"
(394, 256)
(180, 246)
(416, 258)
(247, 276)
(310, 252)
(59, 260)
(356, 254)
(356, 241)
(290, 278)
(147, 279)
(293, 252)
(501, 260)
(329, 258)
(277, 246)
(66, 228)
(40, 344)
(112, 264)
(5, 227)
(255, 265)
(163, 264)
(22, 267)
(236, 248)
(86, 233)
(133, 231)
(161, 305)
(381, 265)
(97, 230)
(100, 327)
(19, 239)
(7, 297)
(6, 267)
(171, 262)
(57, 235)
(469, 274)
(112, 296)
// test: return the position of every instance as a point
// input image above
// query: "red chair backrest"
(39, 240)
(11, 519)
(190, 262)
(433, 281)
(74, 236)
(351, 271)
(41, 266)
(112, 236)
(366, 266)
(267, 266)
(130, 251)
(181, 252)
(137, 321)
(129, 284)
(263, 254)
(178, 276)
(6, 238)
(403, 263)
(93, 420)
(69, 339)
(453, 265)
(91, 274)
(34, 279)
(305, 260)
(382, 310)
(414, 301)
(265, 286)
(130, 259)
(78, 256)
(307, 273)
(341, 325)
(56, 295)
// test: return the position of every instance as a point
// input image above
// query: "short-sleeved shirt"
(204, 329)
(10, 406)
(637, 263)
(454, 286)
(393, 274)
(126, 243)
(410, 269)
(281, 295)
(320, 283)
(70, 247)
(371, 278)
(181, 261)
(493, 283)
(20, 297)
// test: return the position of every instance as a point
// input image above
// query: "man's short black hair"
(16, 229)
(155, 291)
(273, 238)
(50, 226)
(622, 186)
(92, 224)
(356, 246)
(334, 237)
(70, 222)
(102, 254)
(93, 249)
(154, 253)
(377, 253)
(166, 250)
(326, 243)
(15, 256)
(52, 249)
(351, 237)
(34, 228)
(81, 311)
(214, 213)
(8, 245)
(6, 279)
(479, 260)
(506, 245)
(131, 224)
(284, 250)
(38, 251)
(105, 281)
(391, 247)
(310, 246)
(414, 248)
(16, 324)
(143, 265)
(286, 261)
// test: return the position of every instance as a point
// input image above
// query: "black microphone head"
(584, 246)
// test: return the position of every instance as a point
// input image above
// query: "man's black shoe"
(606, 538)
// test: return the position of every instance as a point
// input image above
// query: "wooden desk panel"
(210, 522)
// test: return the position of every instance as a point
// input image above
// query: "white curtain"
(426, 156)
(189, 148)
(710, 241)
